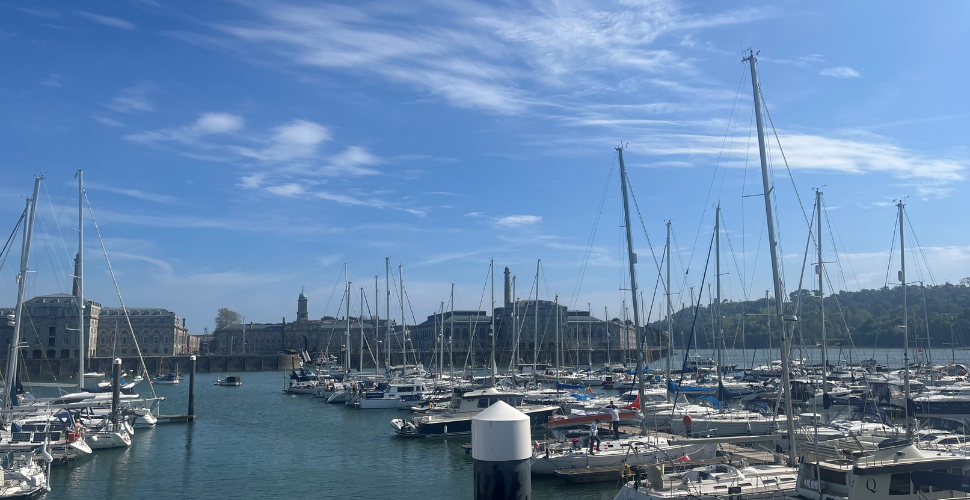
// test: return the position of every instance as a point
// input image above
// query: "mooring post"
(115, 390)
(191, 414)
(501, 437)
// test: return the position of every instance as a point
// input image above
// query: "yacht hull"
(616, 458)
(457, 425)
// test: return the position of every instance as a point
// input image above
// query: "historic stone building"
(50, 329)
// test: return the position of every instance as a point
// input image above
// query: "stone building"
(50, 329)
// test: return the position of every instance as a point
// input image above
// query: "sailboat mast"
(360, 366)
(632, 258)
(377, 325)
(491, 367)
(80, 279)
(10, 381)
(589, 337)
(821, 295)
(606, 321)
(902, 279)
(404, 326)
(451, 334)
(557, 341)
(348, 327)
(670, 314)
(387, 310)
(535, 327)
(773, 247)
(441, 342)
(718, 333)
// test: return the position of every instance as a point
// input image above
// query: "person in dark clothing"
(593, 431)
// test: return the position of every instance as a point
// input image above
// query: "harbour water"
(254, 442)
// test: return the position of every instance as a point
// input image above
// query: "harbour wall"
(66, 369)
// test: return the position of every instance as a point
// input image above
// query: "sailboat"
(722, 480)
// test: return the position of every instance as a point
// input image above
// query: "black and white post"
(191, 412)
(501, 437)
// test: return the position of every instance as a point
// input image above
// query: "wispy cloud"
(297, 139)
(472, 55)
(206, 124)
(840, 72)
(134, 98)
(135, 193)
(40, 12)
(107, 121)
(114, 22)
(518, 220)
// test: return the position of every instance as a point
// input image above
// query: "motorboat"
(575, 454)
(396, 395)
(167, 379)
(467, 405)
(229, 381)
(302, 381)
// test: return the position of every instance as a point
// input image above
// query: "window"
(37, 354)
(101, 340)
(156, 341)
(124, 340)
(166, 339)
(899, 484)
(155, 350)
(52, 331)
(166, 350)
(51, 342)
(65, 353)
(483, 402)
(833, 476)
(124, 351)
(51, 354)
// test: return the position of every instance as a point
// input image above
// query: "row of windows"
(144, 340)
(52, 354)
(154, 350)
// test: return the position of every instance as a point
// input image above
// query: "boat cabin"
(479, 400)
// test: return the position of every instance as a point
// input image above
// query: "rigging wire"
(118, 290)
(592, 235)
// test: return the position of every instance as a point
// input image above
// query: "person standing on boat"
(615, 418)
(593, 431)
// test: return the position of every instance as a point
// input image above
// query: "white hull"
(108, 439)
(724, 427)
(578, 459)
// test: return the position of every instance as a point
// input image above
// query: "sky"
(238, 152)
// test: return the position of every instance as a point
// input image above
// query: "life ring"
(687, 421)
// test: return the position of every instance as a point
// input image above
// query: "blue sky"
(236, 152)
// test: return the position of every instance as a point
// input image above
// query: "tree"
(965, 281)
(226, 317)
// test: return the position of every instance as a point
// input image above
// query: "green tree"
(226, 317)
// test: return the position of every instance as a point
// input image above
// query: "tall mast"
(13, 358)
(902, 279)
(360, 366)
(670, 314)
(929, 343)
(821, 295)
(451, 336)
(491, 367)
(80, 279)
(632, 258)
(404, 326)
(606, 321)
(441, 341)
(377, 325)
(589, 338)
(387, 310)
(535, 327)
(773, 247)
(557, 341)
(718, 334)
(348, 320)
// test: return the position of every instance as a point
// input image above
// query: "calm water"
(254, 442)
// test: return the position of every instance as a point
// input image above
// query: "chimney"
(508, 289)
(77, 273)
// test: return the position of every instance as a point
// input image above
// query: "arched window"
(465, 333)
(37, 354)
(101, 340)
(65, 353)
(124, 340)
(51, 354)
